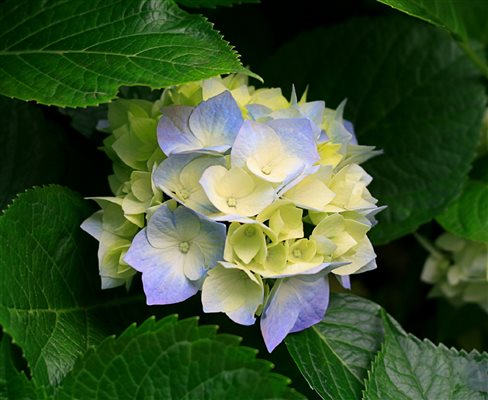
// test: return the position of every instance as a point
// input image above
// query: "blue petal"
(339, 131)
(174, 135)
(258, 111)
(313, 110)
(216, 122)
(344, 280)
(294, 304)
(172, 177)
(163, 283)
(211, 241)
(161, 227)
(350, 128)
(166, 226)
(167, 174)
(253, 136)
(298, 135)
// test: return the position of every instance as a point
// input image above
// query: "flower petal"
(253, 138)
(302, 269)
(344, 281)
(178, 176)
(234, 290)
(193, 262)
(93, 225)
(247, 241)
(174, 135)
(235, 192)
(216, 121)
(297, 134)
(294, 304)
(272, 155)
(311, 192)
(211, 242)
(163, 281)
(361, 258)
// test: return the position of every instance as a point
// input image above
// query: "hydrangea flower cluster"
(458, 269)
(251, 199)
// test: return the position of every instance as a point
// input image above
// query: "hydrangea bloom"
(174, 252)
(458, 269)
(115, 233)
(252, 199)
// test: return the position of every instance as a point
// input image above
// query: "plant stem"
(482, 66)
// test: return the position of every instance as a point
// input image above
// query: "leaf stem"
(482, 66)
(427, 245)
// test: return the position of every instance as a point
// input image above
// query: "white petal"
(233, 290)
(93, 225)
(362, 260)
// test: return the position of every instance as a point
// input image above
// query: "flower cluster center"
(250, 231)
(297, 253)
(184, 247)
(266, 170)
(184, 194)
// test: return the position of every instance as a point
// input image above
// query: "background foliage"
(416, 87)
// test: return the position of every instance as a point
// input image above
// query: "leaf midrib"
(410, 367)
(101, 53)
(96, 306)
(326, 343)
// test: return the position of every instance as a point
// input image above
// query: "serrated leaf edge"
(155, 324)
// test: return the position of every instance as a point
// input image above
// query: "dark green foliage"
(79, 53)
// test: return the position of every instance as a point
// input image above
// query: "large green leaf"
(49, 298)
(358, 351)
(13, 384)
(168, 359)
(30, 149)
(468, 215)
(77, 53)
(464, 18)
(411, 91)
(409, 369)
(213, 3)
(334, 355)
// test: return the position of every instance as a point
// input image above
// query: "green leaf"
(13, 384)
(407, 368)
(411, 92)
(357, 343)
(468, 215)
(78, 53)
(171, 359)
(30, 150)
(50, 302)
(335, 354)
(464, 18)
(213, 3)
